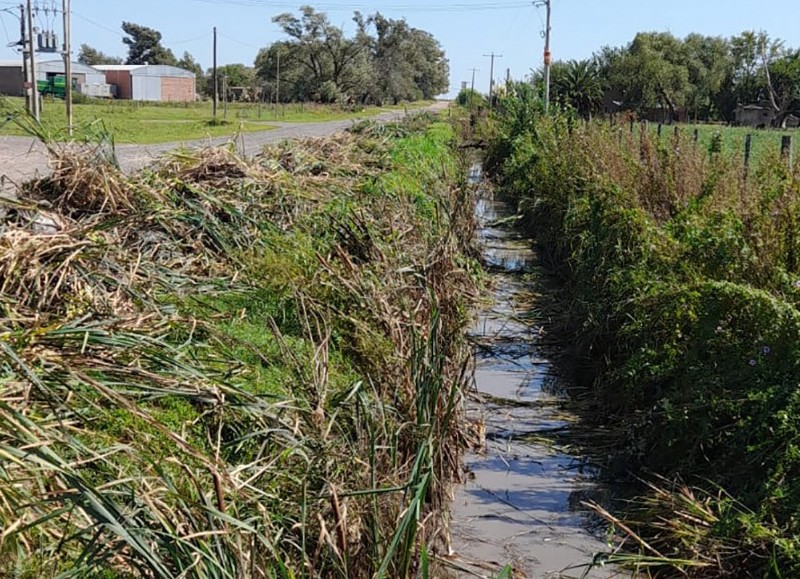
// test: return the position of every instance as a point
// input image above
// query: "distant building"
(151, 82)
(87, 80)
(757, 116)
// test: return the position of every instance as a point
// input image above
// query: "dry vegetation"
(230, 368)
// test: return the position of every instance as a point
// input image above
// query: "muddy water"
(521, 505)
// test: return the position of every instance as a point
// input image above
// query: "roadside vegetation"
(227, 368)
(150, 123)
(679, 297)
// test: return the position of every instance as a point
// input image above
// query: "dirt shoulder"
(23, 158)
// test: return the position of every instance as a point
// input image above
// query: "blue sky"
(467, 29)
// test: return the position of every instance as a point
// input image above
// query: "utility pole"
(26, 77)
(278, 85)
(224, 96)
(491, 74)
(547, 3)
(32, 57)
(214, 75)
(67, 63)
(508, 75)
(474, 70)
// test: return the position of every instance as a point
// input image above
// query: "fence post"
(659, 130)
(631, 122)
(642, 140)
(696, 135)
(748, 142)
(786, 149)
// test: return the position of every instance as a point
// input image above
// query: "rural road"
(22, 158)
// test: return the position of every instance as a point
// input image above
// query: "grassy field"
(149, 123)
(731, 140)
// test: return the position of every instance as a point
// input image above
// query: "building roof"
(58, 66)
(147, 70)
(118, 66)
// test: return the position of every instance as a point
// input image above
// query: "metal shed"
(82, 73)
(151, 82)
(89, 80)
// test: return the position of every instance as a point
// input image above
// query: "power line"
(451, 7)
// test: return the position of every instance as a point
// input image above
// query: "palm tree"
(578, 84)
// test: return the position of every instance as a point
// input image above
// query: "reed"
(222, 367)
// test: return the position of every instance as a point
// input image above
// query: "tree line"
(697, 77)
(385, 60)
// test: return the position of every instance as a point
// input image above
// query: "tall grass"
(680, 295)
(231, 368)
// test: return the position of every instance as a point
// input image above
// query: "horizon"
(511, 28)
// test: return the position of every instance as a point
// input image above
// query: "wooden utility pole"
(26, 76)
(67, 63)
(224, 96)
(474, 70)
(547, 58)
(491, 73)
(278, 84)
(32, 64)
(214, 76)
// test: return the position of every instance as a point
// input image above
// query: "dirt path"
(22, 158)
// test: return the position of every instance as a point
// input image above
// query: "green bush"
(679, 296)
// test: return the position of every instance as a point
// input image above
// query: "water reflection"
(523, 502)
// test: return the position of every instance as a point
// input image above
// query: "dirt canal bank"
(522, 503)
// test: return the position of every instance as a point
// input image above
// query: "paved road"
(23, 158)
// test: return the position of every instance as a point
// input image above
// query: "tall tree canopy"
(144, 46)
(319, 62)
(92, 56)
(706, 77)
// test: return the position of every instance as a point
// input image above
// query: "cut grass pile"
(681, 288)
(151, 123)
(230, 368)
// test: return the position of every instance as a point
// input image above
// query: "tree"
(92, 56)
(144, 46)
(318, 62)
(783, 86)
(409, 62)
(578, 84)
(709, 61)
(188, 62)
(321, 48)
(240, 81)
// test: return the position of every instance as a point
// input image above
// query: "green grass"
(151, 123)
(765, 142)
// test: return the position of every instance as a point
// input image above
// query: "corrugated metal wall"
(146, 88)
